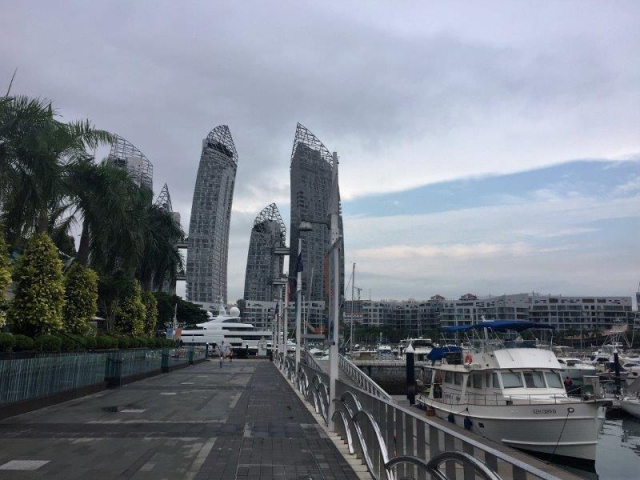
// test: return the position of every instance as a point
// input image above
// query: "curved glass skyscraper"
(208, 243)
(125, 155)
(263, 265)
(311, 166)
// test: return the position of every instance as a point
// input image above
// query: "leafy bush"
(123, 343)
(104, 342)
(71, 343)
(5, 274)
(90, 342)
(48, 343)
(151, 312)
(158, 342)
(39, 290)
(23, 343)
(81, 298)
(130, 312)
(6, 341)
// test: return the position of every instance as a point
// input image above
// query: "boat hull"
(543, 429)
(632, 407)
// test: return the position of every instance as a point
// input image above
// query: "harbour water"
(618, 454)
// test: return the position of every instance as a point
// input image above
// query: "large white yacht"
(514, 394)
(228, 327)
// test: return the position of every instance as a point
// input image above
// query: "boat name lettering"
(544, 411)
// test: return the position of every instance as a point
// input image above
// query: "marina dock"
(203, 422)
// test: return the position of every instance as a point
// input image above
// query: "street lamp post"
(304, 227)
(334, 321)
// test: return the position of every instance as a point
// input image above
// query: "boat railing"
(499, 399)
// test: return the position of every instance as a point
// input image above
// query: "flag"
(277, 310)
(299, 266)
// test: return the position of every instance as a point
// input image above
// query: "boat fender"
(468, 423)
(451, 418)
(468, 358)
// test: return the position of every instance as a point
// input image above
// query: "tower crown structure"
(208, 242)
(125, 155)
(263, 265)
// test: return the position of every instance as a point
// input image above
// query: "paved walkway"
(242, 421)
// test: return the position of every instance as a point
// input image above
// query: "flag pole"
(298, 302)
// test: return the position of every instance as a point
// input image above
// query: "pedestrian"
(222, 349)
(230, 354)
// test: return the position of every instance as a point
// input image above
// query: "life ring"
(468, 358)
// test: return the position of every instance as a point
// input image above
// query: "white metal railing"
(396, 442)
(362, 380)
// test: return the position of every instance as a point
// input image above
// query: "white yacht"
(228, 327)
(575, 369)
(514, 394)
(421, 347)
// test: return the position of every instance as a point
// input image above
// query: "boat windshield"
(553, 380)
(534, 379)
(511, 380)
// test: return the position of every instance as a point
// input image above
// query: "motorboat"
(512, 392)
(384, 352)
(227, 327)
(575, 369)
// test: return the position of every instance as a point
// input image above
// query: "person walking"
(222, 350)
(230, 354)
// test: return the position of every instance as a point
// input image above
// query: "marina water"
(618, 453)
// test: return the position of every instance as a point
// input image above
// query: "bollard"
(191, 356)
(616, 367)
(411, 375)
(165, 360)
(206, 351)
(113, 371)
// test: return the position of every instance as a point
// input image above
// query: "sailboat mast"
(353, 289)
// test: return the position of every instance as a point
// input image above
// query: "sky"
(485, 147)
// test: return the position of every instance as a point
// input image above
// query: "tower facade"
(208, 242)
(125, 155)
(311, 168)
(263, 265)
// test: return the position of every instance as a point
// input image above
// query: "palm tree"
(36, 151)
(160, 260)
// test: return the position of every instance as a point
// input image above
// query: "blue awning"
(439, 353)
(500, 326)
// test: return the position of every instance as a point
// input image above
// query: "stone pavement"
(242, 421)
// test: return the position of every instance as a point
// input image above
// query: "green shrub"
(81, 297)
(71, 343)
(5, 274)
(6, 342)
(158, 342)
(169, 342)
(48, 343)
(90, 342)
(23, 343)
(104, 342)
(123, 343)
(39, 289)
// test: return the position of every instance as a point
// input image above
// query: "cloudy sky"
(486, 147)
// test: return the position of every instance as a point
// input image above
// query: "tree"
(130, 312)
(160, 258)
(39, 292)
(188, 313)
(151, 308)
(5, 275)
(36, 152)
(81, 298)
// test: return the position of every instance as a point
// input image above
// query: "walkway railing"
(30, 378)
(362, 380)
(396, 442)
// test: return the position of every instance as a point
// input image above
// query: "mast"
(353, 284)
